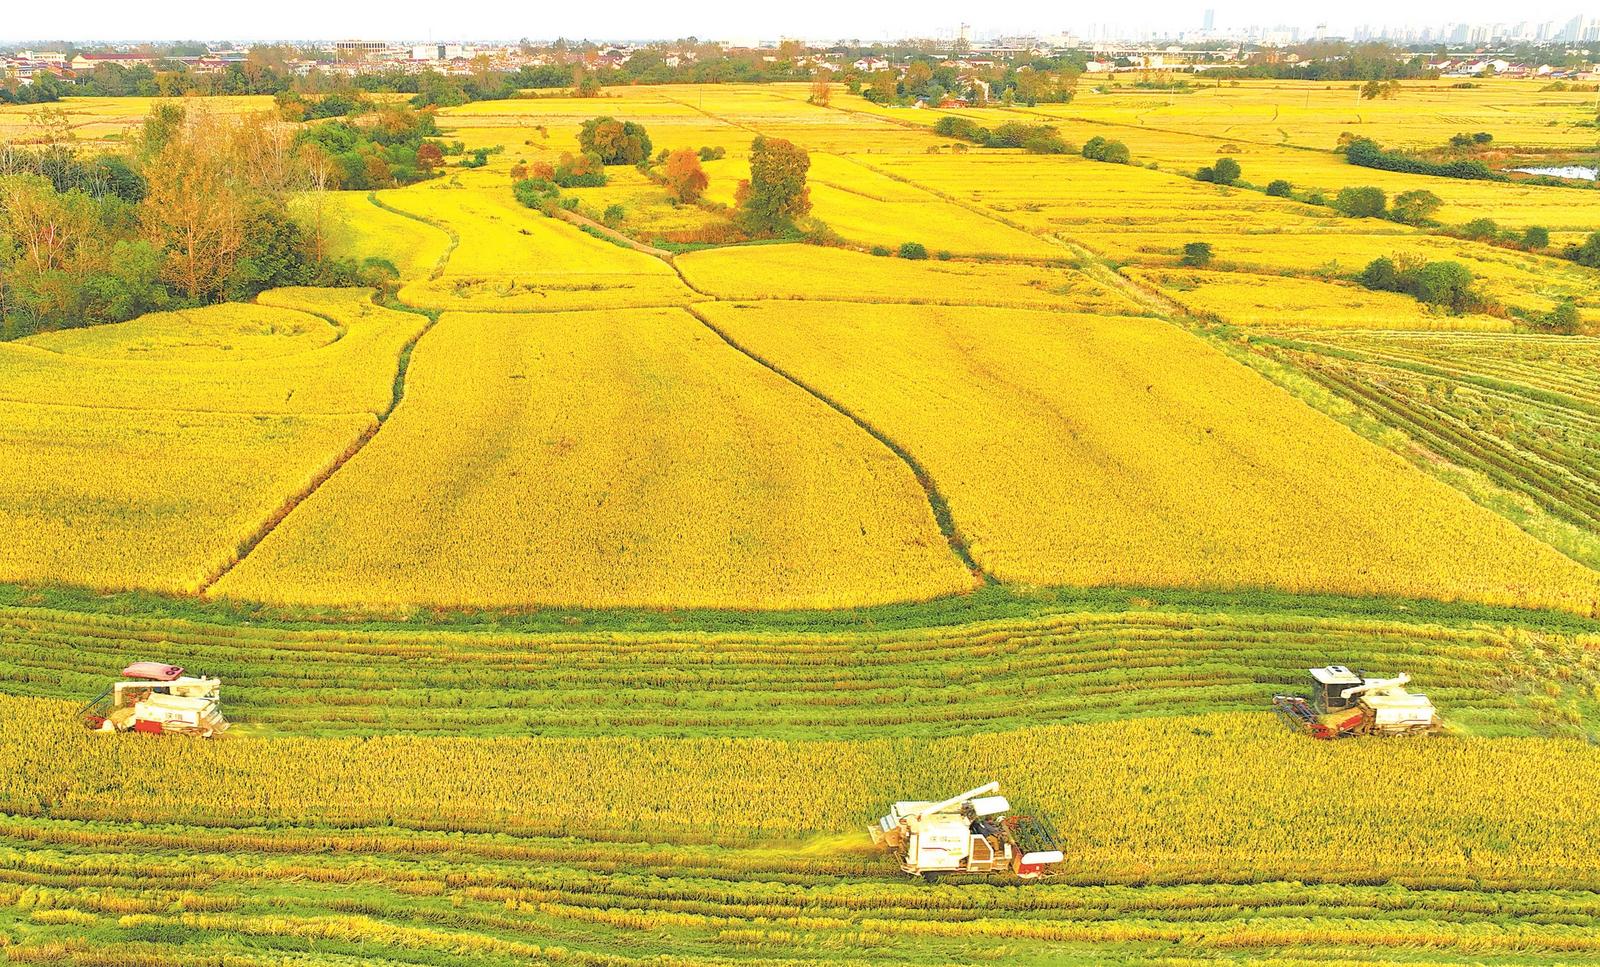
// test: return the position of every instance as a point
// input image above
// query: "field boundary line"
(450, 233)
(936, 500)
(402, 367)
(1093, 265)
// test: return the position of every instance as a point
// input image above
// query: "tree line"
(197, 210)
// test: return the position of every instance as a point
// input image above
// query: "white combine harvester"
(1345, 703)
(969, 833)
(158, 699)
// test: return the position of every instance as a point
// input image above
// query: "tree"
(1196, 254)
(194, 211)
(686, 180)
(776, 193)
(1588, 253)
(1563, 318)
(429, 156)
(1225, 172)
(616, 142)
(1380, 274)
(1102, 149)
(1363, 202)
(1374, 89)
(913, 250)
(821, 89)
(1415, 207)
(1279, 188)
(1536, 237)
(1480, 229)
(1445, 284)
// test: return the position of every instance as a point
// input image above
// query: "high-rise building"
(1209, 21)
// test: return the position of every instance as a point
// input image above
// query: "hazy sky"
(88, 20)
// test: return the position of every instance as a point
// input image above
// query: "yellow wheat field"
(120, 499)
(810, 272)
(603, 459)
(1106, 451)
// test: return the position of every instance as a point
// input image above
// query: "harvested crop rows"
(981, 673)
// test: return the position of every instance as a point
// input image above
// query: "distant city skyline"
(823, 20)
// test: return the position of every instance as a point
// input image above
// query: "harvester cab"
(158, 699)
(1345, 703)
(969, 833)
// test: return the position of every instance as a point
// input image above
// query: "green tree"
(1279, 188)
(616, 142)
(1588, 253)
(1415, 207)
(1362, 202)
(1447, 284)
(1226, 171)
(775, 195)
(1196, 254)
(1536, 237)
(1563, 318)
(1103, 149)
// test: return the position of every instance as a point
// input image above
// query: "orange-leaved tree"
(686, 180)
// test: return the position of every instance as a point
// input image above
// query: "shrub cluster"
(1111, 152)
(1445, 284)
(1033, 138)
(1369, 154)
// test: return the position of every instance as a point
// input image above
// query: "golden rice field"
(230, 331)
(803, 272)
(581, 600)
(1507, 276)
(509, 259)
(352, 374)
(152, 498)
(1160, 460)
(357, 227)
(606, 459)
(1289, 301)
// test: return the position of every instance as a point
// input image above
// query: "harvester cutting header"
(968, 833)
(1345, 703)
(158, 699)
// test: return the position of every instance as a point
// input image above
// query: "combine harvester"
(160, 700)
(1344, 704)
(967, 834)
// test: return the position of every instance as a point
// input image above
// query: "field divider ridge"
(402, 366)
(936, 500)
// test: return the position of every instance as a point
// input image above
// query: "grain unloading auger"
(969, 833)
(158, 699)
(1343, 704)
